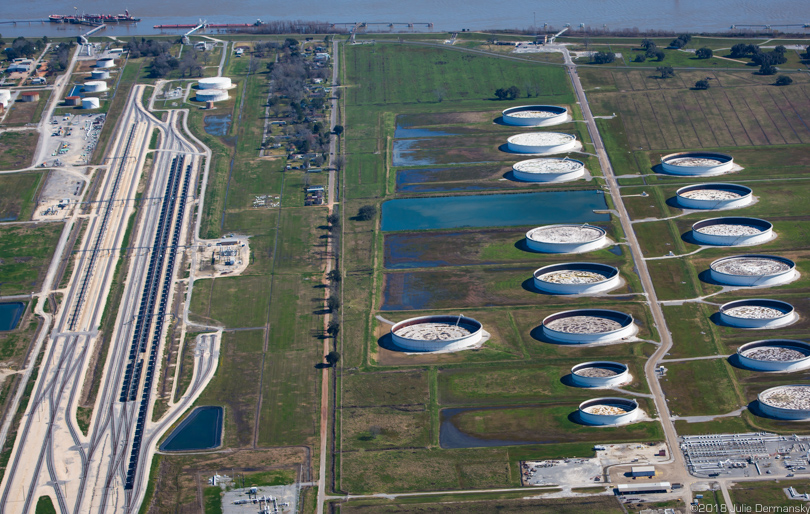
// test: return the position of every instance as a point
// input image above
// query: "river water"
(446, 15)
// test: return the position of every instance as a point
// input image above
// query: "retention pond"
(10, 314)
(201, 430)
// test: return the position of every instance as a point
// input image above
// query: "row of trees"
(509, 93)
(680, 41)
(61, 57)
(22, 47)
(603, 57)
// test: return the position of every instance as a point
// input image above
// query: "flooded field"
(217, 124)
(493, 210)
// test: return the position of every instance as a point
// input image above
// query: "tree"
(332, 358)
(333, 276)
(640, 58)
(704, 53)
(333, 219)
(332, 303)
(665, 71)
(660, 55)
(604, 57)
(440, 94)
(512, 92)
(333, 328)
(784, 80)
(702, 84)
(366, 212)
(501, 93)
(338, 130)
(767, 69)
(646, 44)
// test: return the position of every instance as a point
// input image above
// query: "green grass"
(212, 498)
(45, 506)
(17, 149)
(17, 192)
(486, 503)
(754, 495)
(221, 300)
(270, 478)
(26, 254)
(689, 395)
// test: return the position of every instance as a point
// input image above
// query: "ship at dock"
(93, 18)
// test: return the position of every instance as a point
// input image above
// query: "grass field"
(17, 149)
(17, 192)
(26, 253)
(755, 495)
(481, 503)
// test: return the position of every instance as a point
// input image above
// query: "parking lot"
(73, 139)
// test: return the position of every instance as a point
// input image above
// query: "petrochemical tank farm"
(757, 313)
(585, 326)
(576, 278)
(714, 196)
(535, 115)
(541, 143)
(600, 374)
(548, 170)
(789, 402)
(566, 238)
(95, 86)
(732, 231)
(752, 270)
(99, 74)
(783, 355)
(440, 333)
(608, 411)
(697, 164)
(211, 95)
(105, 62)
(214, 83)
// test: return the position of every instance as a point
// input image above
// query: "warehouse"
(642, 471)
(657, 487)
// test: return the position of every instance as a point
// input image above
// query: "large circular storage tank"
(105, 62)
(566, 238)
(732, 231)
(775, 355)
(790, 402)
(437, 333)
(95, 86)
(752, 270)
(600, 374)
(211, 95)
(608, 411)
(214, 83)
(548, 170)
(99, 74)
(714, 196)
(576, 278)
(757, 313)
(5, 94)
(90, 103)
(541, 142)
(702, 164)
(535, 115)
(584, 326)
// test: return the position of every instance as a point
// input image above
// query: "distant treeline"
(636, 32)
(294, 27)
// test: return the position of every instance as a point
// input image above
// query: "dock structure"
(83, 38)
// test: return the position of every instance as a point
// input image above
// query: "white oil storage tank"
(548, 170)
(762, 313)
(542, 143)
(697, 164)
(714, 196)
(753, 270)
(438, 333)
(608, 411)
(780, 355)
(99, 74)
(95, 86)
(789, 402)
(214, 83)
(577, 278)
(566, 238)
(535, 115)
(587, 326)
(105, 62)
(600, 374)
(90, 103)
(732, 231)
(211, 95)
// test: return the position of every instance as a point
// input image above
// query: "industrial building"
(437, 333)
(73, 101)
(642, 471)
(714, 196)
(535, 115)
(757, 313)
(29, 96)
(698, 164)
(753, 270)
(642, 488)
(732, 231)
(577, 278)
